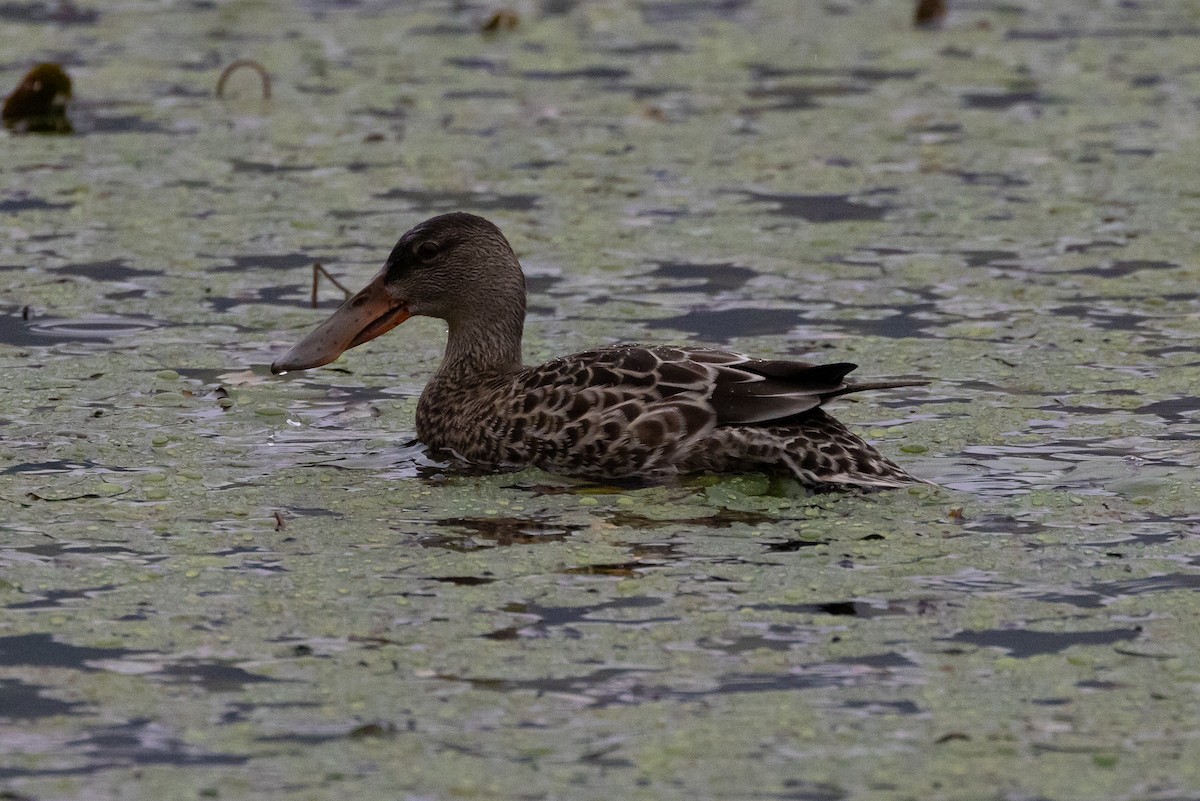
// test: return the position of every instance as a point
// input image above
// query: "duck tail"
(822, 451)
(862, 386)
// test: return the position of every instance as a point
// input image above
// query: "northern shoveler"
(626, 412)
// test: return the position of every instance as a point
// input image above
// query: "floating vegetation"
(39, 103)
(929, 13)
(994, 209)
(504, 19)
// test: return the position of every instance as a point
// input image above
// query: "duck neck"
(485, 342)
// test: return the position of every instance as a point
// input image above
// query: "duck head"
(457, 267)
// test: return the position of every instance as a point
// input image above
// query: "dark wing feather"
(627, 409)
(740, 390)
(757, 392)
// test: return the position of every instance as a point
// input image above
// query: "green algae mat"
(217, 583)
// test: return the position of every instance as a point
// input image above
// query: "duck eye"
(426, 250)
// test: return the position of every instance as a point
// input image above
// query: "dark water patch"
(41, 650)
(247, 167)
(647, 91)
(1121, 269)
(1140, 152)
(243, 711)
(124, 124)
(941, 128)
(999, 101)
(463, 581)
(1098, 244)
(662, 213)
(360, 395)
(722, 325)
(129, 294)
(306, 738)
(893, 321)
(57, 466)
(989, 258)
(799, 98)
(888, 660)
(538, 284)
(820, 208)
(557, 8)
(478, 94)
(760, 71)
(257, 567)
(52, 550)
(142, 741)
(238, 550)
(1175, 410)
(1106, 319)
(627, 686)
(1143, 535)
(111, 270)
(213, 677)
(792, 545)
(724, 518)
(619, 569)
(51, 598)
(884, 707)
(1023, 643)
(1171, 350)
(1003, 524)
(454, 201)
(753, 642)
(442, 29)
(478, 64)
(588, 684)
(21, 701)
(549, 617)
(16, 205)
(596, 73)
(45, 331)
(537, 164)
(1001, 180)
(284, 261)
(58, 13)
(712, 278)
(501, 531)
(861, 609)
(1080, 600)
(801, 790)
(659, 13)
(292, 295)
(314, 511)
(449, 126)
(654, 48)
(1058, 34)
(1167, 582)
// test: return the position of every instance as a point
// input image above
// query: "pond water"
(217, 583)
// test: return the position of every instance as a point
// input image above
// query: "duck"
(620, 413)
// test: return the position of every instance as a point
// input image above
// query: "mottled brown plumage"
(624, 412)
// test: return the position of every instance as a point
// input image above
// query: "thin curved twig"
(318, 271)
(252, 64)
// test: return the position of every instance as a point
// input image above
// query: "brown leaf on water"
(504, 19)
(929, 13)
